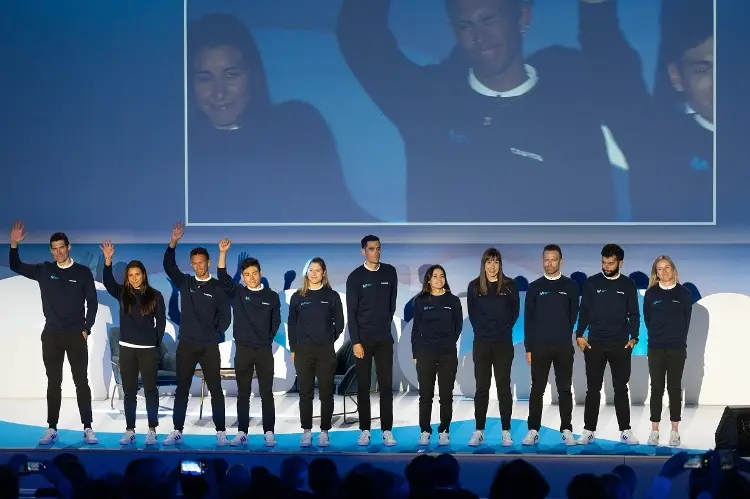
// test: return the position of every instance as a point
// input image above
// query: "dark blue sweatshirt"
(437, 324)
(551, 311)
(493, 315)
(257, 314)
(371, 303)
(666, 313)
(316, 318)
(136, 328)
(69, 300)
(205, 312)
(609, 309)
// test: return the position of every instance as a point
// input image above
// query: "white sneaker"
(653, 438)
(568, 438)
(444, 439)
(323, 439)
(49, 438)
(531, 438)
(507, 439)
(128, 438)
(221, 439)
(89, 437)
(627, 437)
(151, 438)
(477, 439)
(269, 439)
(174, 438)
(587, 437)
(674, 439)
(239, 439)
(424, 438)
(364, 438)
(306, 439)
(388, 439)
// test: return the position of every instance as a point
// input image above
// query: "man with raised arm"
(69, 304)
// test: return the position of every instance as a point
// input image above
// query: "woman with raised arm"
(143, 320)
(316, 320)
(438, 320)
(667, 307)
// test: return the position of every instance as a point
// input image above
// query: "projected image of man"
(233, 123)
(489, 119)
(667, 138)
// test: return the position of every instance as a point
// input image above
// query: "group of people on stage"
(606, 307)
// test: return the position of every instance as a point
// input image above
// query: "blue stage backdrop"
(349, 113)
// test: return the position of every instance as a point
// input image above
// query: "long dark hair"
(482, 281)
(426, 288)
(146, 299)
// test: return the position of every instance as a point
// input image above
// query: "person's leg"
(563, 363)
(186, 360)
(129, 374)
(596, 362)
(148, 365)
(243, 371)
(53, 356)
(502, 362)
(541, 359)
(77, 349)
(304, 362)
(210, 361)
(675, 367)
(326, 372)
(446, 376)
(657, 371)
(383, 355)
(483, 379)
(426, 373)
(264, 369)
(363, 370)
(620, 365)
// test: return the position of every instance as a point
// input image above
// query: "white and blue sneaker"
(239, 439)
(151, 438)
(128, 438)
(568, 439)
(306, 439)
(627, 437)
(364, 438)
(444, 439)
(477, 438)
(89, 437)
(269, 439)
(507, 439)
(424, 439)
(174, 438)
(587, 437)
(388, 439)
(323, 439)
(49, 438)
(531, 438)
(221, 439)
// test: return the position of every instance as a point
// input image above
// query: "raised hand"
(108, 250)
(177, 232)
(224, 245)
(16, 233)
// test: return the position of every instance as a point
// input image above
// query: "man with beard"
(488, 119)
(609, 310)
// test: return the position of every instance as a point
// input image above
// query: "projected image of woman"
(667, 307)
(234, 126)
(143, 320)
(438, 320)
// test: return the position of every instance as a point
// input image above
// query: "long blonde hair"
(654, 279)
(306, 283)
